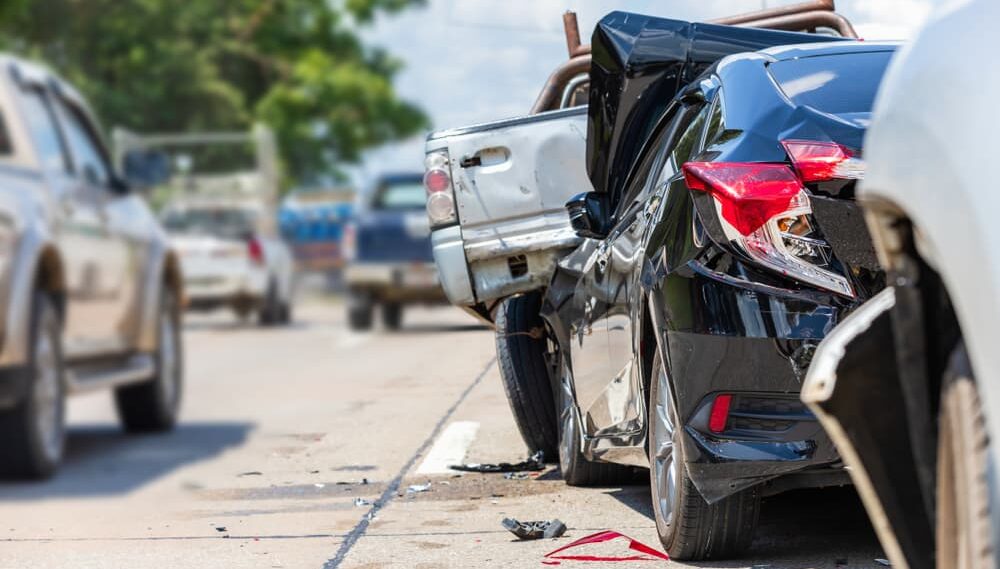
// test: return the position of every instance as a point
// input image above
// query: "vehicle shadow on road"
(414, 329)
(102, 460)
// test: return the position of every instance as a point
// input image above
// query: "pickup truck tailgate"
(512, 179)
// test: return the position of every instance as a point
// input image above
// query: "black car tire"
(33, 433)
(360, 311)
(521, 355)
(270, 309)
(153, 405)
(963, 492)
(392, 315)
(691, 529)
(286, 312)
(576, 469)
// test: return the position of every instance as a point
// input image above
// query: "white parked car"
(909, 385)
(232, 258)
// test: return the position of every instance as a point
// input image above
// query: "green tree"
(164, 65)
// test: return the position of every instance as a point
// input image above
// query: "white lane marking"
(449, 448)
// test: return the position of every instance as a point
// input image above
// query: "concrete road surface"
(297, 449)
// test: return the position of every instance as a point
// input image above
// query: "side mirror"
(144, 169)
(590, 214)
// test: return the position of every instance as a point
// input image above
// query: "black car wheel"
(33, 434)
(964, 529)
(270, 309)
(392, 315)
(576, 469)
(521, 354)
(154, 405)
(689, 527)
(360, 311)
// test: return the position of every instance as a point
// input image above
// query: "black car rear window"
(835, 83)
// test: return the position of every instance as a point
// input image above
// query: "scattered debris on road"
(642, 552)
(534, 463)
(360, 502)
(250, 473)
(534, 530)
(220, 529)
(418, 488)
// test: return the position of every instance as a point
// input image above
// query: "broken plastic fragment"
(883, 562)
(534, 530)
(417, 488)
(359, 502)
(535, 462)
(643, 551)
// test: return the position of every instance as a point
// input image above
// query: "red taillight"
(823, 161)
(750, 193)
(255, 251)
(436, 181)
(720, 413)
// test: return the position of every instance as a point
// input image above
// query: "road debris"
(418, 488)
(883, 562)
(534, 530)
(360, 502)
(640, 551)
(534, 463)
(517, 476)
(250, 473)
(220, 529)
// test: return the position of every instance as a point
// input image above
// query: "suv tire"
(33, 433)
(521, 354)
(153, 405)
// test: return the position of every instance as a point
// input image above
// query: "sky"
(473, 61)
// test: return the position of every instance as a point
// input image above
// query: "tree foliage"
(168, 65)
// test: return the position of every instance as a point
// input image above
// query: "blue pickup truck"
(390, 264)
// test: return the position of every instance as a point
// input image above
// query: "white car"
(909, 385)
(230, 260)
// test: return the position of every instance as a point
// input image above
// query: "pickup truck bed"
(511, 180)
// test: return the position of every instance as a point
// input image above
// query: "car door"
(100, 283)
(622, 400)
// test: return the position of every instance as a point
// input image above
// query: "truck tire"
(521, 354)
(576, 469)
(360, 311)
(33, 434)
(689, 527)
(392, 315)
(153, 405)
(964, 539)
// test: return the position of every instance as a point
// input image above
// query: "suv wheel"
(689, 527)
(964, 530)
(153, 405)
(521, 354)
(33, 434)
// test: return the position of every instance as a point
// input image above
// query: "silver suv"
(89, 289)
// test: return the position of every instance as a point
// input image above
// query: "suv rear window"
(401, 194)
(836, 83)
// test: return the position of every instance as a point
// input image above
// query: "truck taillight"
(765, 210)
(255, 251)
(440, 193)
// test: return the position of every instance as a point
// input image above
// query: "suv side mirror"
(144, 169)
(590, 214)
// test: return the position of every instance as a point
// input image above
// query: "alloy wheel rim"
(47, 397)
(665, 468)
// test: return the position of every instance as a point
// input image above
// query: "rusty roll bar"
(803, 16)
(826, 5)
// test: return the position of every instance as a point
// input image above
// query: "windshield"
(402, 194)
(218, 221)
(837, 84)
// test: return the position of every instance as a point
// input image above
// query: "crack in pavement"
(390, 492)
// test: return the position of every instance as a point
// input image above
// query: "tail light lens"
(764, 208)
(719, 415)
(349, 242)
(440, 191)
(255, 251)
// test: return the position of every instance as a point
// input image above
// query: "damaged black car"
(722, 243)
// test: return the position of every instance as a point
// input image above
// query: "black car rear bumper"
(724, 336)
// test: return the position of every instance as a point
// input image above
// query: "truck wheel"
(521, 354)
(963, 493)
(153, 405)
(33, 434)
(576, 469)
(689, 527)
(360, 310)
(392, 315)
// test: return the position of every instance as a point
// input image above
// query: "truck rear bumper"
(395, 282)
(453, 272)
